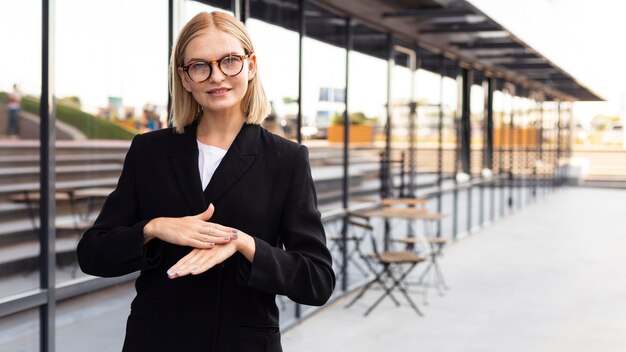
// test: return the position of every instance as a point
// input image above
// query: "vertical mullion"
(47, 179)
(346, 159)
(302, 33)
(442, 67)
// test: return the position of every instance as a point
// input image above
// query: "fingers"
(196, 262)
(207, 214)
(184, 265)
(217, 234)
(200, 260)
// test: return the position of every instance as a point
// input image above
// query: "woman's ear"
(183, 79)
(251, 66)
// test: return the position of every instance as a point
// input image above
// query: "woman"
(212, 261)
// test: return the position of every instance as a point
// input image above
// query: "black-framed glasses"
(230, 65)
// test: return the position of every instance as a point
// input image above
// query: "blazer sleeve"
(303, 270)
(114, 245)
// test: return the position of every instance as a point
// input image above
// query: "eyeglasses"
(230, 65)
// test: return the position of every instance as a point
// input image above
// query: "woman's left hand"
(200, 260)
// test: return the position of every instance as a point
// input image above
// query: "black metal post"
(302, 34)
(512, 149)
(47, 177)
(540, 147)
(466, 136)
(557, 162)
(170, 44)
(389, 122)
(442, 66)
(502, 151)
(457, 151)
(488, 157)
(346, 160)
(388, 127)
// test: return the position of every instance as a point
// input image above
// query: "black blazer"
(263, 186)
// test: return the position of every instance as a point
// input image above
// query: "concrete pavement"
(551, 277)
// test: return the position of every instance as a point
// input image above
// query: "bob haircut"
(185, 110)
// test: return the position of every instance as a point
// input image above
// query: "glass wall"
(111, 84)
(323, 100)
(20, 89)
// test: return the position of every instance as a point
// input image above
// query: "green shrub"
(93, 127)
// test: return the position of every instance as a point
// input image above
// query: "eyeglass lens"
(229, 65)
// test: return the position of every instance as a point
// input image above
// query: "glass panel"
(366, 104)
(20, 332)
(277, 56)
(274, 31)
(95, 121)
(477, 104)
(20, 88)
(323, 76)
(96, 319)
(428, 99)
(191, 8)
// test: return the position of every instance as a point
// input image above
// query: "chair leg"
(361, 293)
(396, 284)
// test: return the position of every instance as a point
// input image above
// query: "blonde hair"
(185, 110)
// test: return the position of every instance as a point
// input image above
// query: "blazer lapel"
(184, 158)
(240, 156)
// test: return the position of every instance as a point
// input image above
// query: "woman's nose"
(216, 73)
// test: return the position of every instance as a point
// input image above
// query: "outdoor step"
(24, 256)
(65, 173)
(6, 189)
(8, 161)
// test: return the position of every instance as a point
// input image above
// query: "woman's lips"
(217, 92)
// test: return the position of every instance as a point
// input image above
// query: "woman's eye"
(230, 60)
(199, 66)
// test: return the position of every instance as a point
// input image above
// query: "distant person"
(218, 214)
(14, 105)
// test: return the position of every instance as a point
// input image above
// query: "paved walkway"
(551, 277)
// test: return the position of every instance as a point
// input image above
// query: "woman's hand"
(201, 260)
(193, 231)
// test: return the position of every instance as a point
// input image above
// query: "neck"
(218, 130)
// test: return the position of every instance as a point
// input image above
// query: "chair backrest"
(411, 202)
(363, 229)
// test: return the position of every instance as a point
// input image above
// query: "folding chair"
(390, 268)
(434, 250)
(352, 252)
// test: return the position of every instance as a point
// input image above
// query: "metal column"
(512, 148)
(302, 34)
(442, 67)
(466, 136)
(47, 177)
(346, 160)
(488, 87)
(387, 166)
(556, 173)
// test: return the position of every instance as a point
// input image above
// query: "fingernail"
(211, 244)
(226, 238)
(235, 235)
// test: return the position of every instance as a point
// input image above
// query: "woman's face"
(219, 93)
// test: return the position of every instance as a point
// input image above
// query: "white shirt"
(209, 158)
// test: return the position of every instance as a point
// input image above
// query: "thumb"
(207, 214)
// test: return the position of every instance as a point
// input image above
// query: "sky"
(119, 48)
(585, 38)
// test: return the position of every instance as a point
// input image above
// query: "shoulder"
(280, 144)
(157, 137)
(154, 141)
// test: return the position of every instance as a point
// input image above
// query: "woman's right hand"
(193, 231)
